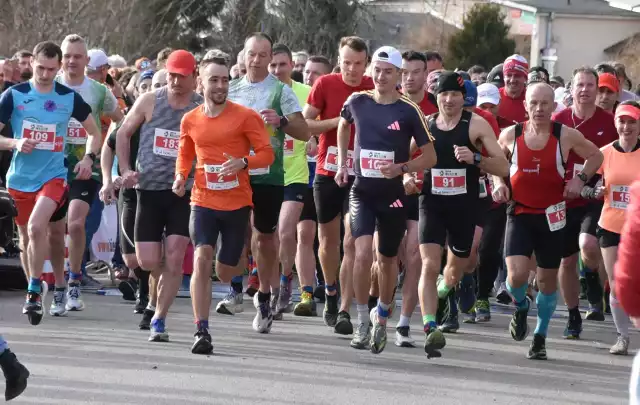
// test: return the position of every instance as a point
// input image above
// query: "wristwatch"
(92, 156)
(246, 162)
(477, 158)
(404, 168)
(582, 177)
(283, 121)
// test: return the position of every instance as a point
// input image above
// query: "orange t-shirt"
(207, 139)
(619, 170)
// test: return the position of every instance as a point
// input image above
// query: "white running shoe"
(74, 299)
(264, 317)
(57, 304)
(231, 304)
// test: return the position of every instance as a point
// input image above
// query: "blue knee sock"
(519, 295)
(34, 285)
(3, 345)
(546, 307)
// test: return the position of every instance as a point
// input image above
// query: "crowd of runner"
(380, 173)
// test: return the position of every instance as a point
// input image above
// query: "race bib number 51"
(448, 181)
(331, 160)
(620, 197)
(45, 134)
(165, 143)
(370, 161)
(217, 182)
(556, 216)
(76, 134)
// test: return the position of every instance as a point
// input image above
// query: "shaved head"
(540, 90)
(540, 103)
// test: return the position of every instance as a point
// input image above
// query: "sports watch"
(477, 158)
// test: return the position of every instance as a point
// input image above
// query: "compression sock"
(519, 295)
(546, 307)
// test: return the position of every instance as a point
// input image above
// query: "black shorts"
(530, 233)
(127, 203)
(267, 200)
(453, 224)
(582, 219)
(607, 239)
(206, 224)
(369, 213)
(309, 209)
(161, 213)
(482, 209)
(413, 207)
(295, 192)
(85, 190)
(330, 199)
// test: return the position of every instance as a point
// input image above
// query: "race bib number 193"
(165, 143)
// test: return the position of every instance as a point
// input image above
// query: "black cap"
(450, 81)
(496, 76)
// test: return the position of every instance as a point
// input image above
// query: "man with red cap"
(608, 91)
(161, 214)
(511, 110)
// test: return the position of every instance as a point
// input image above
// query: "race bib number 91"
(166, 143)
(45, 134)
(448, 181)
(620, 197)
(217, 182)
(370, 161)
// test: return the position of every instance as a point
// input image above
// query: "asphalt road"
(98, 356)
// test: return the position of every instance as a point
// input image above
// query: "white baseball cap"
(388, 54)
(97, 59)
(488, 93)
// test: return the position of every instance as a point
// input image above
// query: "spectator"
(556, 81)
(478, 74)
(434, 61)
(161, 58)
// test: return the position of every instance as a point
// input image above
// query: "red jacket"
(627, 270)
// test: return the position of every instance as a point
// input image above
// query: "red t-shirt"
(490, 119)
(427, 106)
(511, 110)
(329, 94)
(599, 129)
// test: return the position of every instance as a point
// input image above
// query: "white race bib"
(577, 168)
(448, 181)
(331, 160)
(260, 170)
(370, 161)
(217, 182)
(165, 143)
(76, 134)
(620, 197)
(482, 187)
(45, 133)
(288, 146)
(556, 216)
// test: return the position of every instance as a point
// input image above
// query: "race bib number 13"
(165, 143)
(556, 216)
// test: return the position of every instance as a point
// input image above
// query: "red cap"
(627, 110)
(181, 62)
(609, 81)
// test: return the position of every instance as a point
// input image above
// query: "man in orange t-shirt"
(219, 135)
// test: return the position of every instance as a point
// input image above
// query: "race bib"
(370, 161)
(331, 160)
(217, 182)
(288, 146)
(620, 197)
(45, 133)
(448, 181)
(482, 187)
(259, 171)
(556, 216)
(76, 134)
(577, 169)
(165, 143)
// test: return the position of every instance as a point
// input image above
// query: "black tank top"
(447, 173)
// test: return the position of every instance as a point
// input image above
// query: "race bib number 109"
(45, 134)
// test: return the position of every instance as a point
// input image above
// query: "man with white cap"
(512, 111)
(385, 122)
(98, 65)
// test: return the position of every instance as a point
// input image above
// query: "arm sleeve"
(289, 101)
(315, 98)
(81, 110)
(627, 276)
(186, 150)
(259, 139)
(110, 102)
(347, 110)
(6, 106)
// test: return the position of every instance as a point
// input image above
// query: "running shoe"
(318, 293)
(378, 340)
(502, 296)
(450, 324)
(15, 374)
(88, 283)
(57, 307)
(264, 317)
(483, 311)
(621, 347)
(403, 337)
(518, 326)
(231, 304)
(343, 324)
(33, 307)
(202, 342)
(330, 313)
(74, 299)
(537, 350)
(253, 284)
(574, 327)
(147, 316)
(158, 331)
(306, 306)
(285, 305)
(595, 313)
(273, 303)
(128, 289)
(361, 337)
(469, 317)
(434, 342)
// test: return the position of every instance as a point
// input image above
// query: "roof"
(578, 7)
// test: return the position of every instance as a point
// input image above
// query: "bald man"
(538, 150)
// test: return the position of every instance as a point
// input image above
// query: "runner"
(377, 197)
(24, 64)
(448, 211)
(608, 92)
(582, 215)
(538, 150)
(280, 110)
(221, 196)
(511, 111)
(82, 192)
(296, 181)
(160, 214)
(300, 59)
(322, 112)
(619, 169)
(39, 112)
(316, 66)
